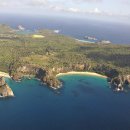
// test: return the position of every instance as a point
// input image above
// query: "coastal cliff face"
(117, 81)
(5, 90)
(17, 72)
(48, 75)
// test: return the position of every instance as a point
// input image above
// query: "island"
(52, 54)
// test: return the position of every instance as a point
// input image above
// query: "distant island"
(45, 55)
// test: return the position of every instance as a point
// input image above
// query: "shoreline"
(3, 74)
(84, 41)
(82, 73)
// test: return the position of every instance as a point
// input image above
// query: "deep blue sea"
(83, 103)
(117, 33)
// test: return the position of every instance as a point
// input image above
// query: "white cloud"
(90, 1)
(2, 4)
(10, 4)
(126, 2)
(73, 10)
(97, 11)
(37, 3)
(57, 6)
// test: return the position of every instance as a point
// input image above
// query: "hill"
(57, 53)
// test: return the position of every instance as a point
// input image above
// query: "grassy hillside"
(58, 50)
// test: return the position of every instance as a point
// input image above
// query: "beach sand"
(81, 73)
(3, 74)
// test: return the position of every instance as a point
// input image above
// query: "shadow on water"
(75, 93)
(83, 81)
(81, 89)
(85, 89)
(6, 98)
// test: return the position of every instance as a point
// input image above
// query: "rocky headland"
(48, 76)
(5, 90)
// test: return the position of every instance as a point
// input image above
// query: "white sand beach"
(81, 73)
(3, 74)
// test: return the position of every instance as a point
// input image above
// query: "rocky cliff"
(5, 90)
(120, 83)
(48, 75)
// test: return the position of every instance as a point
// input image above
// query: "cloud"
(73, 10)
(96, 11)
(93, 0)
(2, 4)
(71, 6)
(86, 1)
(56, 8)
(38, 3)
(23, 3)
(126, 2)
(10, 4)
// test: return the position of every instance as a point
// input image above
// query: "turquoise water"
(84, 103)
(25, 32)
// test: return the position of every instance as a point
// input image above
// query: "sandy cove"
(82, 73)
(3, 74)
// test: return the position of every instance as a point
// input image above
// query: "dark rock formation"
(121, 82)
(52, 82)
(40, 73)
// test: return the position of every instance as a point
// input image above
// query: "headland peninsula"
(47, 55)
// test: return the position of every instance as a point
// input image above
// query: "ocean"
(117, 33)
(83, 103)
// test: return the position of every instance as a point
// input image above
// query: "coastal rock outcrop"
(48, 75)
(117, 81)
(5, 90)
(52, 82)
(121, 82)
(45, 75)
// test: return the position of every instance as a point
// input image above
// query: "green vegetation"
(59, 51)
(44, 57)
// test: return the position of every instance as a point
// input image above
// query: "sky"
(114, 10)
